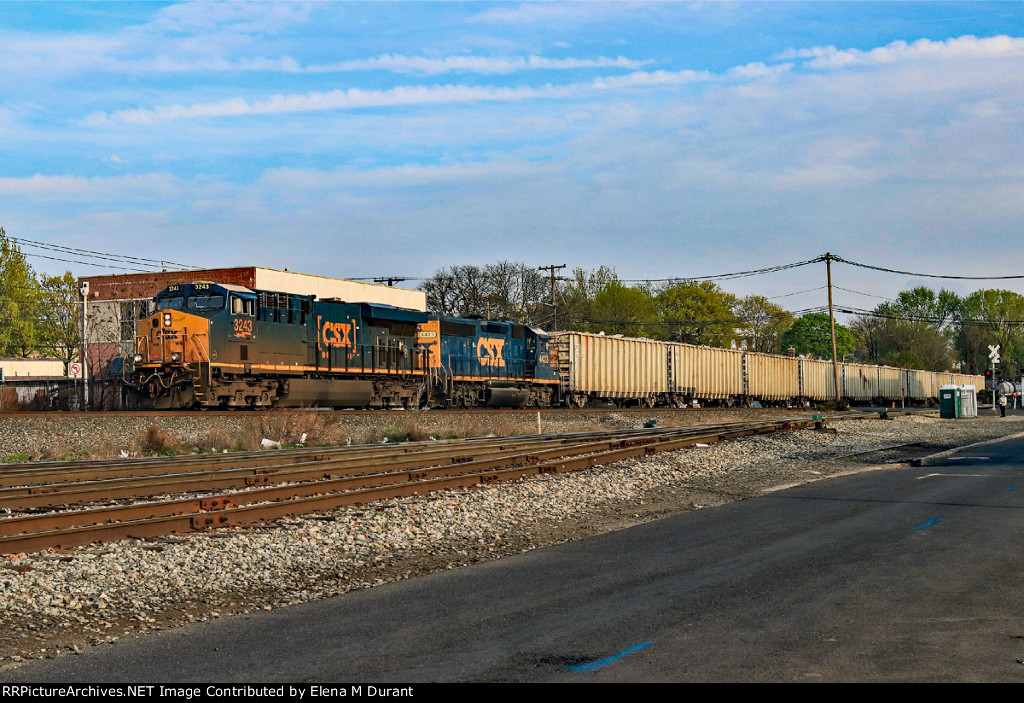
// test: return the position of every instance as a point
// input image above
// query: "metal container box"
(603, 366)
(817, 380)
(707, 373)
(890, 383)
(771, 377)
(920, 385)
(860, 382)
(963, 379)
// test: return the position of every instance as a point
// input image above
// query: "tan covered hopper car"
(650, 372)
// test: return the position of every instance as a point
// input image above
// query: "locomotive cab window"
(242, 306)
(171, 302)
(206, 302)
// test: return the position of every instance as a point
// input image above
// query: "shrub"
(157, 440)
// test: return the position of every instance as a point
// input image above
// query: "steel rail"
(26, 523)
(23, 498)
(255, 458)
(59, 471)
(304, 498)
(316, 466)
(31, 533)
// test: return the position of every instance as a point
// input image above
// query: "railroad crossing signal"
(994, 353)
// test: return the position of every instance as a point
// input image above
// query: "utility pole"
(554, 305)
(390, 280)
(84, 290)
(832, 323)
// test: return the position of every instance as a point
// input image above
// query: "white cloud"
(86, 54)
(548, 12)
(355, 98)
(758, 70)
(825, 174)
(404, 176)
(237, 17)
(956, 48)
(100, 188)
(47, 55)
(472, 64)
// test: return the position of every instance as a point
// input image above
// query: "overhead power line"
(869, 295)
(133, 263)
(86, 263)
(705, 323)
(955, 322)
(924, 275)
(799, 292)
(726, 276)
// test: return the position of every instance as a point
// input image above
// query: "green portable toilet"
(949, 402)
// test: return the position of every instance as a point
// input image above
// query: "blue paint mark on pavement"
(595, 665)
(928, 523)
(1011, 487)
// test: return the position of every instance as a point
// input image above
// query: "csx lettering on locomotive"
(336, 334)
(489, 351)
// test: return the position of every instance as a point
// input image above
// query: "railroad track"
(242, 412)
(69, 504)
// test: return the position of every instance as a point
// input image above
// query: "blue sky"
(391, 139)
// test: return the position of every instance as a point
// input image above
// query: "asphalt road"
(895, 575)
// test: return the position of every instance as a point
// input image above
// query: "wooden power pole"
(832, 322)
(554, 305)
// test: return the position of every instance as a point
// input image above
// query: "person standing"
(1002, 406)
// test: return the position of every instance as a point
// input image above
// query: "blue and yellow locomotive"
(485, 362)
(218, 345)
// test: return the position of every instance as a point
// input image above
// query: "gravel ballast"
(59, 602)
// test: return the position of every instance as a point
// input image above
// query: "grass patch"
(156, 440)
(407, 430)
(218, 439)
(299, 427)
(833, 406)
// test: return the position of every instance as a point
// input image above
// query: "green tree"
(812, 334)
(506, 290)
(762, 323)
(914, 331)
(697, 312)
(576, 296)
(60, 317)
(993, 317)
(19, 301)
(922, 304)
(619, 309)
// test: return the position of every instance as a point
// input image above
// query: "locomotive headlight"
(167, 319)
(175, 357)
(138, 358)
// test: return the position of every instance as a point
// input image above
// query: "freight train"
(217, 345)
